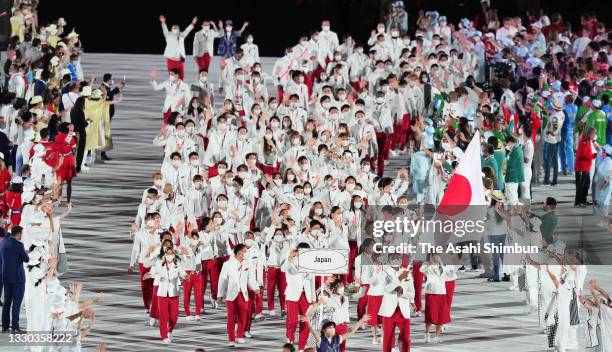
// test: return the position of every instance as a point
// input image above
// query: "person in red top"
(12, 201)
(65, 144)
(5, 176)
(556, 24)
(582, 165)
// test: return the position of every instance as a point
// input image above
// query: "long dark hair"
(79, 104)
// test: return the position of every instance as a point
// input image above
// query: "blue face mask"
(2, 125)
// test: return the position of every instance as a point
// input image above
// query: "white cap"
(596, 103)
(54, 61)
(96, 94)
(608, 149)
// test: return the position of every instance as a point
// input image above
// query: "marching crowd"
(53, 125)
(248, 181)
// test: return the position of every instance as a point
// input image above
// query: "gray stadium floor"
(486, 316)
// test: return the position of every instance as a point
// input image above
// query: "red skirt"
(373, 308)
(68, 169)
(436, 310)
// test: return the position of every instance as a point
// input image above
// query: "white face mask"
(241, 137)
(149, 201)
(360, 50)
(340, 290)
(296, 142)
(325, 28)
(318, 211)
(197, 185)
(273, 106)
(278, 238)
(249, 243)
(172, 78)
(244, 175)
(218, 221)
(307, 190)
(305, 167)
(169, 258)
(358, 205)
(221, 171)
(290, 177)
(275, 124)
(366, 168)
(257, 111)
(249, 40)
(150, 223)
(299, 196)
(229, 28)
(203, 78)
(269, 135)
(158, 182)
(176, 30)
(205, 28)
(176, 163)
(222, 204)
(380, 100)
(350, 187)
(180, 133)
(278, 182)
(195, 162)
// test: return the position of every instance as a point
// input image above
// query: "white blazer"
(168, 278)
(174, 92)
(391, 299)
(298, 283)
(233, 279)
(376, 279)
(435, 278)
(175, 44)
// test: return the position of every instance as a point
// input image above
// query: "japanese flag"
(465, 188)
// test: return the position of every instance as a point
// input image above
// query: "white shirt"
(175, 92)
(391, 299)
(168, 276)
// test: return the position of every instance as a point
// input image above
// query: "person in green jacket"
(598, 120)
(515, 172)
(500, 158)
(489, 160)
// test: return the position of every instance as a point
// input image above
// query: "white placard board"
(323, 261)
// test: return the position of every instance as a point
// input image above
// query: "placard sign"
(322, 261)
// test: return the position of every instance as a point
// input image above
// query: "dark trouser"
(473, 257)
(583, 179)
(13, 296)
(497, 240)
(81, 149)
(551, 159)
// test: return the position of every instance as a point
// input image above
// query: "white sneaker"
(419, 314)
(393, 153)
(513, 288)
(437, 339)
(166, 342)
(197, 318)
(170, 336)
(247, 334)
(395, 349)
(258, 317)
(146, 311)
(240, 341)
(215, 305)
(427, 338)
(375, 341)
(231, 344)
(272, 313)
(190, 318)
(152, 321)
(84, 168)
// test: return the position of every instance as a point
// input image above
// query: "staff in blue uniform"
(13, 278)
(566, 150)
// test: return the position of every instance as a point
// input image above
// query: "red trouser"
(146, 286)
(214, 268)
(206, 276)
(341, 329)
(254, 306)
(294, 309)
(450, 293)
(154, 311)
(417, 277)
(280, 94)
(193, 280)
(276, 280)
(352, 255)
(166, 116)
(362, 302)
(168, 314)
(178, 64)
(236, 314)
(203, 61)
(389, 325)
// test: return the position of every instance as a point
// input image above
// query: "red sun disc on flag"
(457, 196)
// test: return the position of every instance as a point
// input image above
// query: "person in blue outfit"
(328, 340)
(13, 278)
(566, 148)
(228, 42)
